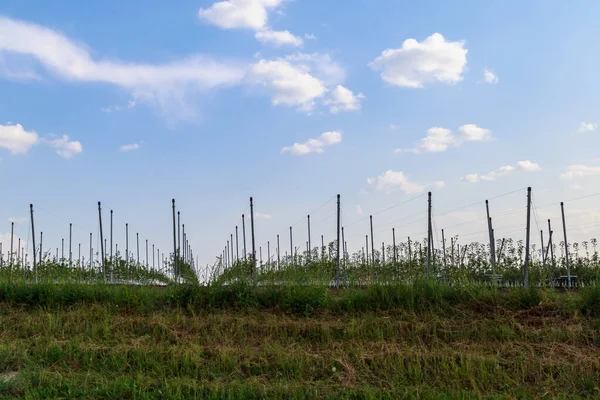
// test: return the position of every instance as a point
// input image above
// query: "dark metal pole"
(111, 243)
(491, 238)
(137, 241)
(41, 246)
(429, 234)
(551, 246)
(253, 238)
(443, 249)
(562, 210)
(33, 238)
(70, 243)
(174, 243)
(322, 248)
(372, 242)
(337, 266)
(231, 249)
(237, 246)
(178, 234)
(101, 241)
(244, 237)
(394, 244)
(526, 279)
(91, 252)
(278, 259)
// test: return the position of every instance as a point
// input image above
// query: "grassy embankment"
(421, 341)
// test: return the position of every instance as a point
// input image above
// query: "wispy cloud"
(129, 147)
(314, 145)
(490, 77)
(19, 141)
(391, 181)
(521, 166)
(440, 139)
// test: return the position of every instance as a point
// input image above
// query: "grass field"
(418, 341)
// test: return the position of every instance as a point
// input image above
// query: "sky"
(293, 102)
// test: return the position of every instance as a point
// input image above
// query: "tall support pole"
(268, 254)
(70, 244)
(394, 245)
(101, 240)
(542, 248)
(137, 253)
(33, 238)
(253, 238)
(237, 246)
(562, 210)
(337, 265)
(244, 236)
(111, 245)
(174, 243)
(526, 279)
(292, 246)
(79, 255)
(382, 253)
(278, 252)
(178, 234)
(344, 250)
(91, 253)
(322, 248)
(372, 241)
(232, 258)
(309, 244)
(153, 257)
(147, 264)
(183, 252)
(12, 238)
(491, 238)
(443, 249)
(429, 234)
(550, 243)
(62, 250)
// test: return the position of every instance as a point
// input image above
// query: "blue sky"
(210, 99)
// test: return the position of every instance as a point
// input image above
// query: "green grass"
(302, 342)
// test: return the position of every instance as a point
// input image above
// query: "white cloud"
(287, 83)
(314, 145)
(440, 139)
(19, 141)
(321, 65)
(262, 215)
(392, 180)
(129, 147)
(278, 38)
(471, 132)
(416, 64)
(490, 77)
(166, 86)
(438, 184)
(64, 147)
(587, 127)
(580, 171)
(235, 14)
(342, 99)
(16, 139)
(359, 209)
(309, 36)
(249, 14)
(109, 109)
(523, 166)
